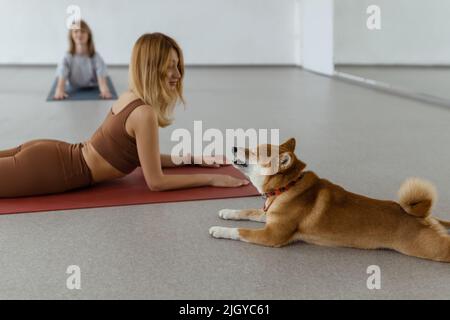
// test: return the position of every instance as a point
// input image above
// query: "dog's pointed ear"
(289, 144)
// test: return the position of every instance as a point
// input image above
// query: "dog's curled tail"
(416, 196)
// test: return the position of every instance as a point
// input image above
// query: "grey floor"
(422, 80)
(365, 140)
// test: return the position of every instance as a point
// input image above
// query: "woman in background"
(82, 66)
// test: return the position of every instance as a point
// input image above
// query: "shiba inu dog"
(301, 206)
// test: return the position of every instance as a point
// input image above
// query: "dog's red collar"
(276, 192)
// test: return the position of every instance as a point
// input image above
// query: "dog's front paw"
(229, 214)
(224, 233)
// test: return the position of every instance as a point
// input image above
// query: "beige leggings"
(42, 167)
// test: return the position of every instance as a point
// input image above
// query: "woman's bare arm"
(167, 162)
(104, 89)
(145, 127)
(60, 89)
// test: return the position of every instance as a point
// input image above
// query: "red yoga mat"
(129, 190)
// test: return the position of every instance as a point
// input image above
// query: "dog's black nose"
(241, 164)
(234, 149)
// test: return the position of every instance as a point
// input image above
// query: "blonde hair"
(90, 44)
(148, 71)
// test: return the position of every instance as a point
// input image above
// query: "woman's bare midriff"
(101, 169)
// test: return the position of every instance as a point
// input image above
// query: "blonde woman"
(128, 137)
(82, 66)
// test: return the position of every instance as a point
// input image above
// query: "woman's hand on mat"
(105, 94)
(221, 180)
(60, 95)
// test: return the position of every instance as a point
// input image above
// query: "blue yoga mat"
(91, 93)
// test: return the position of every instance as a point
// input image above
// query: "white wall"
(412, 32)
(317, 35)
(230, 31)
(209, 31)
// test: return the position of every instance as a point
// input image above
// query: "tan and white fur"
(317, 211)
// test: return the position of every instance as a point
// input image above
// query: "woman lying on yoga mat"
(127, 138)
(81, 66)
